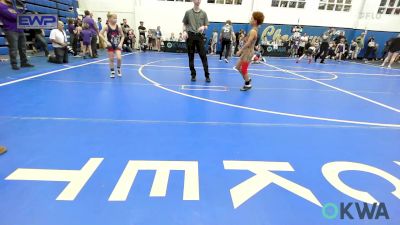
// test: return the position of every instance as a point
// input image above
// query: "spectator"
(180, 38)
(172, 38)
(375, 52)
(102, 43)
(340, 49)
(125, 26)
(40, 41)
(99, 25)
(242, 36)
(142, 31)
(78, 30)
(95, 32)
(331, 50)
(86, 36)
(237, 37)
(360, 43)
(353, 48)
(15, 37)
(142, 44)
(386, 49)
(339, 37)
(214, 42)
(129, 41)
(2, 58)
(72, 34)
(226, 40)
(59, 39)
(151, 39)
(370, 48)
(158, 38)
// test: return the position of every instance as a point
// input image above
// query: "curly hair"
(258, 17)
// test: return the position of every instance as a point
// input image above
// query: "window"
(227, 2)
(389, 7)
(300, 4)
(335, 5)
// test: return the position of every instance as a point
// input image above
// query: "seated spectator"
(257, 57)
(129, 41)
(371, 44)
(353, 50)
(40, 41)
(58, 37)
(172, 38)
(180, 38)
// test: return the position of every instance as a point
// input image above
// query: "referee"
(195, 23)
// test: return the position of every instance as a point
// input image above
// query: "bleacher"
(63, 8)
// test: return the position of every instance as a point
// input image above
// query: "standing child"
(340, 49)
(159, 37)
(150, 40)
(247, 52)
(77, 31)
(86, 37)
(114, 38)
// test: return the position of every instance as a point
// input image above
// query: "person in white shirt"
(58, 38)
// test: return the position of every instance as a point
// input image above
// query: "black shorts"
(300, 51)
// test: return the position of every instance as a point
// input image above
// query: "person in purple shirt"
(95, 31)
(72, 35)
(16, 38)
(86, 36)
